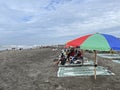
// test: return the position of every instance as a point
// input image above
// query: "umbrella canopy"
(101, 42)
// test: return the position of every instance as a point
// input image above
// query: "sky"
(42, 22)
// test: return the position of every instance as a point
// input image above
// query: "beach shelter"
(96, 42)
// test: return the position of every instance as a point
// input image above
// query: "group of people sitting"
(71, 55)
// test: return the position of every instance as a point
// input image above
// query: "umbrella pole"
(95, 64)
(110, 51)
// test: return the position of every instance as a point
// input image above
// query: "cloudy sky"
(56, 21)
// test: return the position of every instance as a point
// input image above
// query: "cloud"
(46, 21)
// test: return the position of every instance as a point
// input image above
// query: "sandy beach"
(34, 69)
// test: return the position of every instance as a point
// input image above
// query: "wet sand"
(34, 69)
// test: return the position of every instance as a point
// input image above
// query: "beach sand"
(34, 69)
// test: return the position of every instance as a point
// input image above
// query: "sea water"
(9, 47)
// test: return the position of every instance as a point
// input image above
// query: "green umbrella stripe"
(94, 41)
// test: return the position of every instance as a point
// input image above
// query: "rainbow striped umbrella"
(100, 42)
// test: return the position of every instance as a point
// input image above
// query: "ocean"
(9, 47)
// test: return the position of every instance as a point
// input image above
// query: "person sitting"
(70, 54)
(78, 57)
(62, 59)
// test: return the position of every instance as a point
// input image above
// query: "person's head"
(62, 55)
